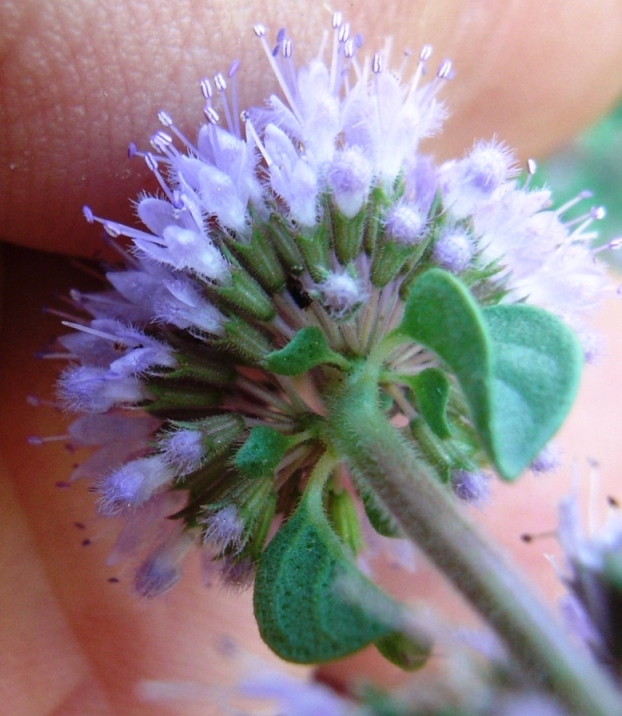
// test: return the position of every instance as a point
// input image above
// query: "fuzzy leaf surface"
(431, 388)
(311, 602)
(518, 365)
(536, 366)
(262, 452)
(307, 349)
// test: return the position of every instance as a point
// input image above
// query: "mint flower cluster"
(309, 290)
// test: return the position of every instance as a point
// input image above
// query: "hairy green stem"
(381, 460)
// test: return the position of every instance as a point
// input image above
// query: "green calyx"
(243, 293)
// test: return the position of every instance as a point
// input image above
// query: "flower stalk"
(381, 461)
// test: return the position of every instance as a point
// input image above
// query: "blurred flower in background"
(592, 160)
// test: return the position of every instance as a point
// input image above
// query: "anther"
(151, 162)
(425, 53)
(280, 36)
(111, 230)
(532, 167)
(206, 88)
(131, 150)
(344, 32)
(287, 49)
(88, 214)
(531, 537)
(337, 19)
(615, 244)
(259, 30)
(211, 115)
(376, 65)
(445, 71)
(161, 141)
(220, 82)
(348, 49)
(165, 118)
(598, 213)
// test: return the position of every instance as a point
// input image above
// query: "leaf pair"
(518, 366)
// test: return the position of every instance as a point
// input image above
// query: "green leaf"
(311, 603)
(518, 365)
(307, 349)
(262, 452)
(442, 315)
(431, 389)
(536, 366)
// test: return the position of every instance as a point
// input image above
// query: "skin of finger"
(80, 80)
(71, 642)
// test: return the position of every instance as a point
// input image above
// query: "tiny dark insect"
(296, 291)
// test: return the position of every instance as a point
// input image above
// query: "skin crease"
(80, 80)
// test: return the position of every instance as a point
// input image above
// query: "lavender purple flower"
(593, 576)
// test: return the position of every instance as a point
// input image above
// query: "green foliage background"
(592, 161)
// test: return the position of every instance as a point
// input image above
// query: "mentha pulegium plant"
(306, 281)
